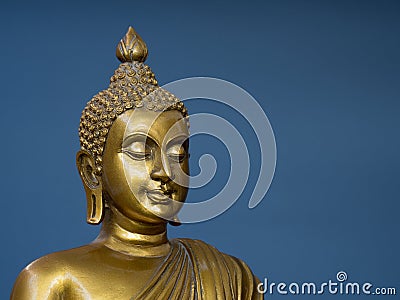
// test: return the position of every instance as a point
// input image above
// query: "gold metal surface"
(132, 48)
(134, 150)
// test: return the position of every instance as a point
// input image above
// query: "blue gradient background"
(326, 73)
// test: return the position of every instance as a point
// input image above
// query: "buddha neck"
(133, 238)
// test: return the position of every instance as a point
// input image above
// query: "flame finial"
(131, 47)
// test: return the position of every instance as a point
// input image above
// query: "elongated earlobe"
(93, 187)
(94, 207)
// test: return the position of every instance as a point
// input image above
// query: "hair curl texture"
(133, 85)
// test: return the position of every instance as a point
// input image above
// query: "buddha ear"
(93, 186)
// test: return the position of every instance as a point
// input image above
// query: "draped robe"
(196, 270)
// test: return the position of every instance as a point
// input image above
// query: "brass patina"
(134, 165)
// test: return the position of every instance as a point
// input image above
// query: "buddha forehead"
(161, 126)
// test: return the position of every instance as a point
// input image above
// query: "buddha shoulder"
(52, 276)
(88, 272)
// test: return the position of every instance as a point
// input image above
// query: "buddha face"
(144, 159)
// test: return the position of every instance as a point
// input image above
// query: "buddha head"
(134, 144)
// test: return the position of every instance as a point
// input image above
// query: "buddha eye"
(138, 150)
(177, 153)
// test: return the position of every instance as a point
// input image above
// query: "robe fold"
(196, 270)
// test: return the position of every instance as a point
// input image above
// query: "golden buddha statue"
(134, 167)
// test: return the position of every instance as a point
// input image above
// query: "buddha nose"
(161, 169)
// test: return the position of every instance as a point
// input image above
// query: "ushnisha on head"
(133, 85)
(149, 192)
